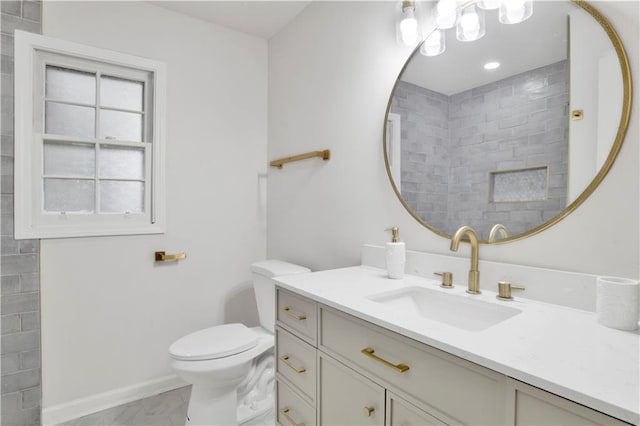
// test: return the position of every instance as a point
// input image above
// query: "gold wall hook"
(577, 114)
(161, 256)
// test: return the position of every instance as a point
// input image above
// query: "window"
(89, 141)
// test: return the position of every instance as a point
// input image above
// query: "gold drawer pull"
(295, 316)
(368, 410)
(285, 359)
(401, 368)
(285, 413)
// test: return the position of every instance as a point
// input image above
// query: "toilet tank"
(265, 290)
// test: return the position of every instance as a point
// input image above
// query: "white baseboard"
(81, 407)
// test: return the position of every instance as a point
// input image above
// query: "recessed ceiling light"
(491, 65)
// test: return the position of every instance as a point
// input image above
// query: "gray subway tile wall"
(20, 296)
(452, 143)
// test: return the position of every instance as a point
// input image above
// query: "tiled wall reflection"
(451, 144)
(20, 309)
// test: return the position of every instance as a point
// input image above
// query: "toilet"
(231, 366)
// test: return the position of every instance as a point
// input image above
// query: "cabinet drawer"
(297, 362)
(347, 397)
(535, 407)
(298, 314)
(458, 390)
(292, 410)
(403, 413)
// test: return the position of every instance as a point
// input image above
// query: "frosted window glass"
(519, 185)
(120, 93)
(69, 195)
(121, 163)
(69, 159)
(120, 125)
(69, 120)
(63, 84)
(121, 197)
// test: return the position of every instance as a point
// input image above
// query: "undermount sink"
(458, 311)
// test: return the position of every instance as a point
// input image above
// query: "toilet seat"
(214, 342)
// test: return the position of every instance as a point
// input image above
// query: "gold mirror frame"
(617, 144)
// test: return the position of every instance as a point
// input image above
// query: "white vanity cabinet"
(448, 388)
(336, 369)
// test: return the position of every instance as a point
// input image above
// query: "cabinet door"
(535, 407)
(403, 413)
(346, 397)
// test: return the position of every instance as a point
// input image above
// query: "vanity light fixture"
(471, 24)
(515, 11)
(446, 14)
(434, 44)
(491, 65)
(467, 16)
(408, 26)
(489, 4)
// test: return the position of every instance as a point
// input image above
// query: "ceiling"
(260, 18)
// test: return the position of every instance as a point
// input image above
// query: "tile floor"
(165, 409)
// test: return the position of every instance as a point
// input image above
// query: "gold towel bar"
(162, 256)
(325, 155)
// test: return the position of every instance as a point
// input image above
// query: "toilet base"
(208, 406)
(213, 405)
(262, 413)
(266, 419)
(247, 414)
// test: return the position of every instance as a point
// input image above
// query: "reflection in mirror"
(488, 131)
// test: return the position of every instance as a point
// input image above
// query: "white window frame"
(30, 219)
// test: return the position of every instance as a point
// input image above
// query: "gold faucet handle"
(447, 279)
(504, 290)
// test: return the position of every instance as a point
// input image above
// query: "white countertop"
(562, 350)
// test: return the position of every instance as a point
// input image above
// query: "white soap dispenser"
(395, 255)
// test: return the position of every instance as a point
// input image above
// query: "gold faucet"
(474, 274)
(497, 228)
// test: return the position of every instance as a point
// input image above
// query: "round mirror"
(511, 132)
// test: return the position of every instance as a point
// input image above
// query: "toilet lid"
(214, 342)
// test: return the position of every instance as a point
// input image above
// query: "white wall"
(108, 312)
(598, 81)
(330, 75)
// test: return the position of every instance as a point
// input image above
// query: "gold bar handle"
(400, 368)
(285, 413)
(295, 316)
(325, 155)
(162, 256)
(285, 359)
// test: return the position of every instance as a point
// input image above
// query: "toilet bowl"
(231, 366)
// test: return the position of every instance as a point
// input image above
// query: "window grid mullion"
(97, 135)
(72, 103)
